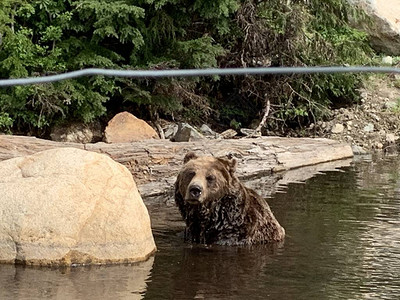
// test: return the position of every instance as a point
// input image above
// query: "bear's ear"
(230, 163)
(189, 156)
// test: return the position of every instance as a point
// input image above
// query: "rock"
(126, 128)
(390, 138)
(170, 130)
(348, 138)
(337, 128)
(383, 27)
(69, 206)
(358, 150)
(186, 133)
(369, 127)
(349, 125)
(349, 115)
(387, 60)
(391, 105)
(250, 132)
(381, 133)
(375, 117)
(228, 134)
(207, 131)
(77, 133)
(377, 145)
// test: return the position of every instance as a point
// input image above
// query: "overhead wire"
(194, 73)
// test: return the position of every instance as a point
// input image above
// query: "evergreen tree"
(43, 37)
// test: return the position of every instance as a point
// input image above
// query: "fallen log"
(155, 163)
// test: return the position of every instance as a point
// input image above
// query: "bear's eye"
(210, 178)
(191, 173)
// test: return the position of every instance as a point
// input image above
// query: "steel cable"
(194, 73)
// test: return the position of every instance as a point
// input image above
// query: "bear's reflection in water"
(222, 271)
(197, 271)
(211, 272)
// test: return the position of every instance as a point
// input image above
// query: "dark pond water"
(343, 242)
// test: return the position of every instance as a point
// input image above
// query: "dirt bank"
(373, 124)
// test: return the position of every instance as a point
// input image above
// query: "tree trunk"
(155, 163)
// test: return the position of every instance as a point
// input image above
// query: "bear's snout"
(195, 192)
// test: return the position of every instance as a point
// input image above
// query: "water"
(343, 242)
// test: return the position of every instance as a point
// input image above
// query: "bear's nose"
(195, 191)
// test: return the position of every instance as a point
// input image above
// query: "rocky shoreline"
(371, 125)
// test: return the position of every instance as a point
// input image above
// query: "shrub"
(297, 33)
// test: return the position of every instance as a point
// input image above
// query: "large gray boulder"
(69, 206)
(186, 133)
(384, 30)
(77, 133)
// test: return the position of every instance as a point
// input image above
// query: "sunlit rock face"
(69, 206)
(126, 128)
(384, 30)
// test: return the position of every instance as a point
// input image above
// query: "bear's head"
(205, 179)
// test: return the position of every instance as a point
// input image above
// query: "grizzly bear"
(218, 208)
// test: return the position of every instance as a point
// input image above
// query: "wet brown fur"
(226, 212)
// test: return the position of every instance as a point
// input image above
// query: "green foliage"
(5, 122)
(199, 53)
(396, 107)
(43, 37)
(110, 19)
(235, 124)
(47, 37)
